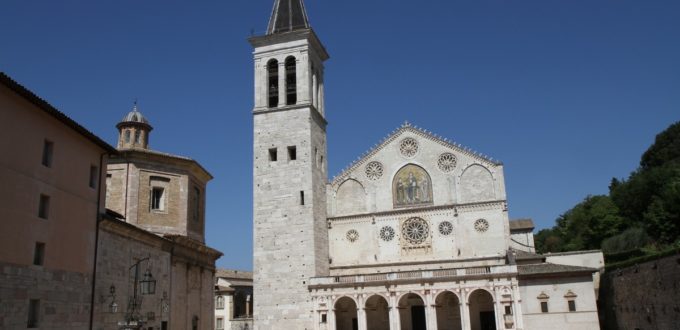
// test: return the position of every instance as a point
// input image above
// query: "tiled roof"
(236, 274)
(524, 255)
(52, 111)
(519, 224)
(548, 268)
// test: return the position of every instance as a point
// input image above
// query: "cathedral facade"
(414, 235)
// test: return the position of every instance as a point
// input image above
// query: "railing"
(418, 274)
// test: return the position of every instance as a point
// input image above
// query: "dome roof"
(135, 116)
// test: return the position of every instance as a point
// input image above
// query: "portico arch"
(482, 313)
(412, 312)
(448, 311)
(377, 313)
(346, 314)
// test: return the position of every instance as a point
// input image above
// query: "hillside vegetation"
(640, 213)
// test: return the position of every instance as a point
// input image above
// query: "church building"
(414, 235)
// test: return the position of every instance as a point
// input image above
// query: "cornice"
(456, 208)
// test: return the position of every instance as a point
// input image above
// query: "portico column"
(430, 312)
(331, 319)
(395, 321)
(465, 315)
(499, 323)
(517, 308)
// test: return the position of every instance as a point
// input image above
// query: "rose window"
(447, 162)
(387, 233)
(445, 228)
(408, 147)
(481, 225)
(374, 170)
(352, 235)
(415, 230)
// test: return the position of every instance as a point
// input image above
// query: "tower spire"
(288, 15)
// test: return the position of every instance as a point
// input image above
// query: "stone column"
(497, 312)
(465, 315)
(331, 318)
(315, 89)
(282, 83)
(517, 308)
(395, 321)
(430, 312)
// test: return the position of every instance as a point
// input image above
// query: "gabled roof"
(407, 127)
(52, 111)
(234, 274)
(287, 16)
(548, 269)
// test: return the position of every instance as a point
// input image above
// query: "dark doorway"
(355, 324)
(164, 325)
(487, 320)
(418, 318)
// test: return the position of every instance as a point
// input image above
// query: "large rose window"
(415, 230)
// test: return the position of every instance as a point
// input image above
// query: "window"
(324, 318)
(94, 176)
(508, 310)
(572, 305)
(157, 199)
(137, 135)
(302, 198)
(219, 302)
(33, 313)
(44, 207)
(292, 153)
(127, 136)
(272, 155)
(108, 186)
(273, 89)
(197, 204)
(48, 149)
(291, 81)
(39, 254)
(220, 323)
(544, 306)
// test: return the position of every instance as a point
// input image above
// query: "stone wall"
(64, 297)
(643, 296)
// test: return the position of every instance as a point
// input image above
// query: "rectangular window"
(33, 313)
(94, 176)
(39, 254)
(292, 153)
(48, 149)
(197, 204)
(220, 323)
(324, 318)
(508, 310)
(572, 305)
(44, 207)
(544, 306)
(272, 155)
(157, 199)
(302, 198)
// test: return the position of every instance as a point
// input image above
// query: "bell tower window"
(273, 89)
(291, 81)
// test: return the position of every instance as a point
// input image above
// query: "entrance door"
(355, 324)
(418, 318)
(487, 320)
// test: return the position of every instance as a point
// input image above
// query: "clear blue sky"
(567, 94)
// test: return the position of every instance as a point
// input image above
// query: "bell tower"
(289, 183)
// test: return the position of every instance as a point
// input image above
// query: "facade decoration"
(447, 162)
(386, 233)
(411, 186)
(445, 228)
(374, 170)
(352, 235)
(481, 225)
(408, 147)
(415, 230)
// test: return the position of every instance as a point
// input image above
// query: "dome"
(135, 116)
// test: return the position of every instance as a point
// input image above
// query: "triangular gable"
(407, 127)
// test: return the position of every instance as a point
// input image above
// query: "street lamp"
(145, 286)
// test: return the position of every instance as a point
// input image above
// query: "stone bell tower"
(289, 183)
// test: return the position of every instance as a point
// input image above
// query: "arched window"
(273, 89)
(127, 136)
(291, 81)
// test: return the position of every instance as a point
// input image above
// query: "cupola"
(133, 130)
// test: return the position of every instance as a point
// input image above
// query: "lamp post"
(145, 286)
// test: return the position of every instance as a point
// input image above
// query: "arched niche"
(411, 186)
(476, 185)
(350, 198)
